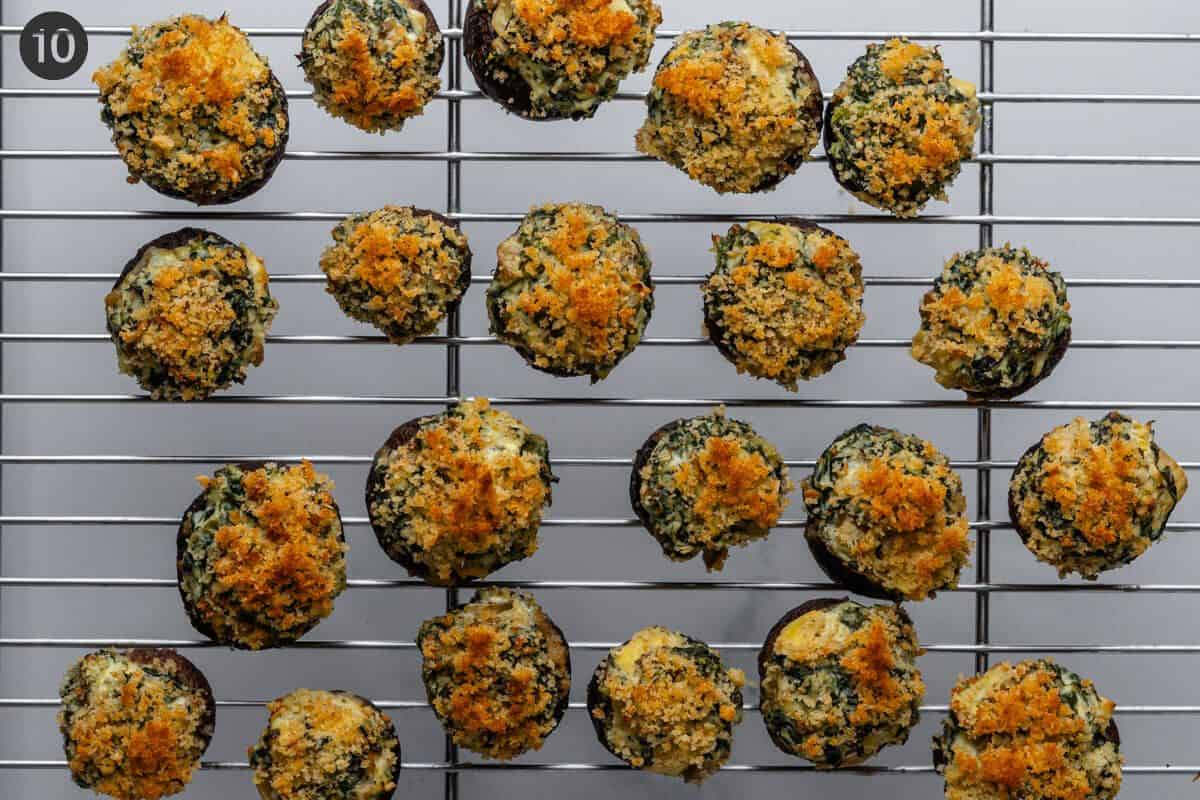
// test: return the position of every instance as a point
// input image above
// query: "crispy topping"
(572, 290)
(787, 301)
(276, 559)
(374, 65)
(465, 494)
(901, 127)
(396, 268)
(322, 745)
(496, 673)
(1095, 495)
(193, 108)
(734, 106)
(992, 320)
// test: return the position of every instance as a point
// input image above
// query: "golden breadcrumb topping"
(321, 745)
(396, 268)
(497, 673)
(901, 126)
(277, 562)
(667, 709)
(572, 290)
(786, 300)
(1096, 495)
(734, 106)
(468, 484)
(369, 65)
(176, 324)
(132, 730)
(842, 683)
(1033, 731)
(192, 106)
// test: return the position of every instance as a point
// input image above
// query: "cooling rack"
(978, 589)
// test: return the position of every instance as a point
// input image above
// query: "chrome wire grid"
(981, 588)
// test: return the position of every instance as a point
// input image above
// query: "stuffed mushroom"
(189, 314)
(373, 63)
(403, 270)
(261, 554)
(706, 484)
(557, 59)
(995, 324)
(135, 722)
(322, 745)
(840, 681)
(194, 111)
(736, 107)
(886, 515)
(1032, 730)
(497, 672)
(456, 496)
(572, 291)
(785, 300)
(1093, 496)
(664, 702)
(899, 127)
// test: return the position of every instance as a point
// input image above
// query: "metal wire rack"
(981, 589)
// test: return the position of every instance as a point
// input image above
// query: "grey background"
(612, 553)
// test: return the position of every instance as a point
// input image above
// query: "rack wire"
(454, 157)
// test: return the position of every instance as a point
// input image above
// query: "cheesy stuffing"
(321, 745)
(900, 127)
(996, 320)
(1093, 496)
(569, 56)
(888, 506)
(463, 495)
(663, 702)
(840, 683)
(373, 63)
(734, 106)
(496, 672)
(1032, 730)
(709, 484)
(784, 301)
(190, 316)
(399, 269)
(132, 730)
(262, 555)
(193, 110)
(572, 291)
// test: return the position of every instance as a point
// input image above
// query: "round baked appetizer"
(402, 270)
(261, 554)
(321, 745)
(785, 300)
(899, 127)
(189, 314)
(840, 681)
(497, 672)
(886, 515)
(194, 111)
(1033, 730)
(1093, 496)
(456, 496)
(572, 291)
(995, 324)
(663, 702)
(135, 722)
(557, 59)
(706, 484)
(736, 107)
(373, 63)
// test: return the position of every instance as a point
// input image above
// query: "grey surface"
(598, 553)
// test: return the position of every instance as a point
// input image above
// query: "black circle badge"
(53, 45)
